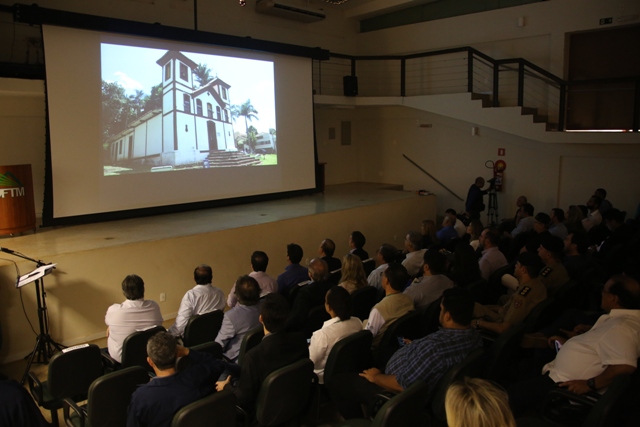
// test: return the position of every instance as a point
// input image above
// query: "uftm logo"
(10, 185)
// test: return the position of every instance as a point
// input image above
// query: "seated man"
(492, 259)
(155, 403)
(447, 232)
(240, 319)
(338, 305)
(276, 350)
(576, 260)
(310, 295)
(553, 275)
(425, 359)
(557, 227)
(526, 220)
(393, 306)
(591, 360)
(326, 250)
(458, 225)
(201, 299)
(433, 282)
(386, 254)
(413, 261)
(259, 263)
(134, 314)
(356, 244)
(529, 293)
(294, 273)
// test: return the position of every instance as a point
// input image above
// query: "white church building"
(192, 123)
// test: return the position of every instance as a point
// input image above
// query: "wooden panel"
(17, 209)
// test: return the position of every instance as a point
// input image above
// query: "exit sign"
(500, 151)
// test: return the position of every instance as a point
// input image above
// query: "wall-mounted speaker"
(350, 85)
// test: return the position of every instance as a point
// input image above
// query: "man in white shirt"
(341, 325)
(413, 245)
(595, 217)
(202, 298)
(259, 263)
(492, 259)
(386, 254)
(526, 220)
(433, 282)
(591, 360)
(458, 225)
(134, 314)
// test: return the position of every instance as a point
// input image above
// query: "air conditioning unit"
(283, 10)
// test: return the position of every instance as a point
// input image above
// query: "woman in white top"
(338, 305)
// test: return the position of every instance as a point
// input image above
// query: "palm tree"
(136, 102)
(202, 74)
(245, 110)
(272, 132)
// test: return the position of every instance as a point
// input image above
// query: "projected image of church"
(187, 120)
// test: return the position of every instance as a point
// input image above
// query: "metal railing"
(505, 82)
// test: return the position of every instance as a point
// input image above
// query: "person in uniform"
(529, 293)
(553, 275)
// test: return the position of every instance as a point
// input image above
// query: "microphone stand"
(45, 346)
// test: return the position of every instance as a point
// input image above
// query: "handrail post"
(562, 107)
(636, 107)
(470, 71)
(520, 84)
(353, 66)
(496, 84)
(403, 76)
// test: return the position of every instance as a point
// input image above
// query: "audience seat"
(430, 318)
(501, 354)
(335, 276)
(108, 399)
(70, 374)
(202, 328)
(250, 340)
(134, 348)
(217, 409)
(317, 316)
(210, 347)
(369, 265)
(363, 300)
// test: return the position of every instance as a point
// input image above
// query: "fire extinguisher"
(498, 174)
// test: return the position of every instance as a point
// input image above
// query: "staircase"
(228, 159)
(525, 111)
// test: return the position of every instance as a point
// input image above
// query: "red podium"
(17, 208)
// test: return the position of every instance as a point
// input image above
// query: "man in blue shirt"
(447, 233)
(425, 359)
(155, 403)
(294, 273)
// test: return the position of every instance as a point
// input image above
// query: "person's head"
(474, 402)
(576, 243)
(294, 253)
(387, 253)
(474, 229)
(352, 269)
(542, 222)
(435, 262)
(479, 182)
(451, 212)
(338, 303)
(528, 266)
(594, 203)
(457, 307)
(557, 215)
(203, 275)
(413, 241)
(574, 214)
(259, 261)
(162, 350)
(274, 312)
(601, 192)
(621, 291)
(448, 221)
(614, 218)
(551, 249)
(327, 247)
(247, 290)
(395, 277)
(528, 209)
(133, 287)
(521, 201)
(428, 228)
(357, 240)
(489, 238)
(318, 270)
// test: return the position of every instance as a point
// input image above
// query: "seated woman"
(473, 402)
(474, 229)
(338, 305)
(353, 277)
(428, 230)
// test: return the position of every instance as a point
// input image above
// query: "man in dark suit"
(277, 350)
(326, 250)
(310, 295)
(356, 243)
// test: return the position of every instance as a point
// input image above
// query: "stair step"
(485, 98)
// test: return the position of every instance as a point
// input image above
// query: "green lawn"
(270, 159)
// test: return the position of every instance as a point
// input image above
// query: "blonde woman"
(473, 402)
(428, 230)
(353, 277)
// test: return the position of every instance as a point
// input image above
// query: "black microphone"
(7, 250)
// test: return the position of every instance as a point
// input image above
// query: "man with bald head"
(326, 250)
(310, 295)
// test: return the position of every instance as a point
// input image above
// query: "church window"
(167, 71)
(224, 93)
(184, 72)
(187, 103)
(226, 116)
(198, 107)
(218, 113)
(209, 110)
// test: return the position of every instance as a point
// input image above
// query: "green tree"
(252, 138)
(202, 74)
(154, 100)
(136, 103)
(245, 110)
(116, 111)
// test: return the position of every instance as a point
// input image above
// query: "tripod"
(45, 346)
(492, 212)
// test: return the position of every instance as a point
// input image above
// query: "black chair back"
(500, 354)
(134, 348)
(317, 316)
(217, 409)
(405, 409)
(495, 288)
(210, 347)
(430, 318)
(284, 394)
(109, 397)
(363, 300)
(408, 326)
(335, 276)
(250, 340)
(71, 372)
(202, 328)
(369, 265)
(350, 354)
(540, 316)
(478, 289)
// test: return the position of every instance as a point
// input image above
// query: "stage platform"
(94, 258)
